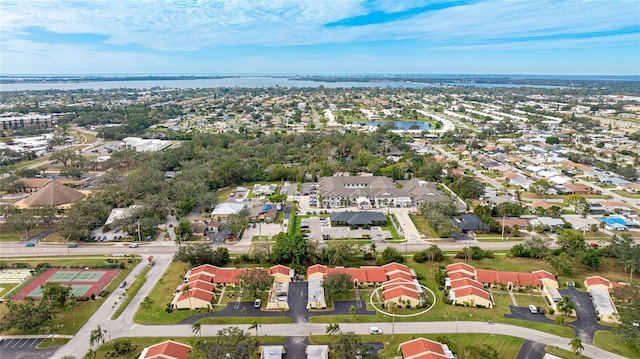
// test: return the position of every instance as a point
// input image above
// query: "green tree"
(576, 345)
(562, 322)
(96, 336)
(591, 258)
(183, 228)
(332, 328)
(390, 255)
(566, 306)
(349, 346)
(56, 292)
(289, 248)
(200, 254)
(578, 203)
(231, 342)
(571, 242)
(196, 328)
(552, 140)
(254, 325)
(336, 283)
(540, 187)
(255, 281)
(627, 300)
(26, 315)
(186, 291)
(352, 310)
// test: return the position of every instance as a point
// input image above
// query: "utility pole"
(138, 223)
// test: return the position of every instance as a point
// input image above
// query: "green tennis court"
(77, 290)
(75, 276)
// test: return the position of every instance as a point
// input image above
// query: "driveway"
(586, 325)
(531, 350)
(298, 293)
(523, 313)
(24, 348)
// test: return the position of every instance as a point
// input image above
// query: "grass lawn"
(62, 262)
(391, 226)
(624, 193)
(50, 343)
(144, 342)
(133, 289)
(333, 242)
(15, 236)
(6, 288)
(161, 295)
(608, 341)
(507, 347)
(563, 353)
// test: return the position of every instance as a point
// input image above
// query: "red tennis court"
(83, 281)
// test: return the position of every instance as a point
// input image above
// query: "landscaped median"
(132, 291)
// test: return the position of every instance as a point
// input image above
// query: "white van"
(375, 330)
(533, 309)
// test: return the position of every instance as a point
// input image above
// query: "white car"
(375, 330)
(133, 245)
(533, 309)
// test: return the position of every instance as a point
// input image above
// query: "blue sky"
(570, 37)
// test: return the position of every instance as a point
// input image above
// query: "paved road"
(102, 316)
(303, 330)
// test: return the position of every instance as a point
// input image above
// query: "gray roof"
(469, 222)
(358, 218)
(423, 191)
(317, 351)
(316, 292)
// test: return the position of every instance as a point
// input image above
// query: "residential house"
(317, 351)
(271, 351)
(600, 290)
(222, 211)
(469, 222)
(264, 190)
(166, 350)
(421, 348)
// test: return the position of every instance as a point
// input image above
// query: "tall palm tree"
(186, 290)
(576, 345)
(255, 325)
(332, 328)
(196, 328)
(562, 322)
(352, 310)
(96, 336)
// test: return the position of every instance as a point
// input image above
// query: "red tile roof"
(466, 291)
(168, 349)
(375, 274)
(196, 293)
(418, 348)
(464, 282)
(460, 266)
(400, 291)
(458, 275)
(279, 269)
(200, 284)
(317, 268)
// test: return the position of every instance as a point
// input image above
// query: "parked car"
(540, 310)
(375, 330)
(533, 309)
(73, 245)
(257, 303)
(30, 245)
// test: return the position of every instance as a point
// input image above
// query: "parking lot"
(24, 349)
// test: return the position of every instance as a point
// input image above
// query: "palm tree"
(186, 290)
(352, 310)
(96, 336)
(561, 321)
(196, 328)
(332, 328)
(566, 305)
(91, 354)
(255, 325)
(576, 345)
(71, 304)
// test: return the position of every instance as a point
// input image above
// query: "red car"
(231, 237)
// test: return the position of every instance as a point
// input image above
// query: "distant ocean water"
(248, 82)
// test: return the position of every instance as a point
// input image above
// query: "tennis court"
(84, 282)
(75, 276)
(77, 290)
